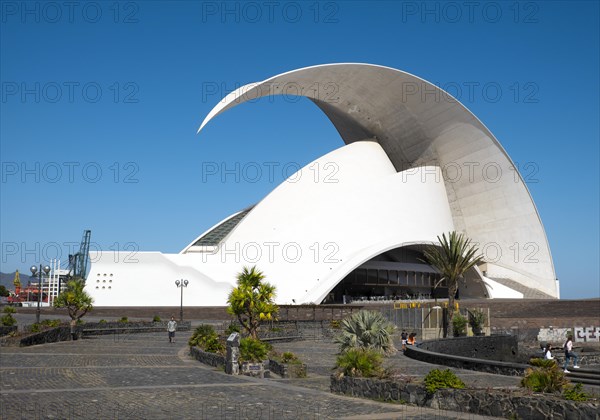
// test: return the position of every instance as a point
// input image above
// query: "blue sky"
(101, 102)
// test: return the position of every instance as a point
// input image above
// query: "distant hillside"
(6, 279)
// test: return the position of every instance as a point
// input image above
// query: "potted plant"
(477, 321)
(459, 325)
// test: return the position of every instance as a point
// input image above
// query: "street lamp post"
(181, 284)
(34, 271)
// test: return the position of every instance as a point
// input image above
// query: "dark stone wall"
(496, 403)
(49, 336)
(287, 370)
(504, 348)
(298, 330)
(461, 362)
(211, 359)
(493, 354)
(486, 354)
(103, 328)
(4, 330)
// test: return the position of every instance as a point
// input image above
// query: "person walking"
(171, 328)
(568, 346)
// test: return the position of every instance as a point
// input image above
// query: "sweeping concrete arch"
(419, 125)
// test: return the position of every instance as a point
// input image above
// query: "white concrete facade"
(406, 142)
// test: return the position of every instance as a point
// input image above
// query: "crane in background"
(78, 263)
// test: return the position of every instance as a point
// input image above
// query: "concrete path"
(143, 376)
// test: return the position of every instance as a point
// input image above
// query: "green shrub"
(213, 345)
(335, 324)
(51, 322)
(207, 339)
(289, 357)
(156, 318)
(366, 363)
(542, 363)
(8, 320)
(124, 319)
(252, 350)
(102, 321)
(437, 379)
(459, 324)
(231, 328)
(366, 330)
(546, 377)
(575, 393)
(200, 333)
(476, 319)
(35, 328)
(295, 365)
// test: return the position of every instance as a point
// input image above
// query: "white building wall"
(306, 235)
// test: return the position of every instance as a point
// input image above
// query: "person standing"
(404, 337)
(73, 326)
(171, 328)
(569, 354)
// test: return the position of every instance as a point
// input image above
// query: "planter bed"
(285, 370)
(288, 370)
(487, 402)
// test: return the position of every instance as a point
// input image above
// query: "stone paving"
(142, 376)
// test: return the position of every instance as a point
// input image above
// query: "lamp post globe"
(34, 270)
(181, 284)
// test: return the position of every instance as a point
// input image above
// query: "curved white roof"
(419, 125)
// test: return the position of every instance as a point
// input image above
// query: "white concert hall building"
(415, 164)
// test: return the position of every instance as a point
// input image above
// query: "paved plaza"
(143, 376)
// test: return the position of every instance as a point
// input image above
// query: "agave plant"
(545, 376)
(366, 330)
(366, 363)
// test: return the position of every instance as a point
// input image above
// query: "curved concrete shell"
(419, 125)
(416, 164)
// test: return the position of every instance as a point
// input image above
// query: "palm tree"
(452, 258)
(252, 300)
(366, 330)
(75, 299)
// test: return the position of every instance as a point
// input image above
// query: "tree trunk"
(452, 287)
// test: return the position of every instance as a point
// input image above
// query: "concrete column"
(233, 354)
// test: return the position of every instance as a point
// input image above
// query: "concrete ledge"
(287, 339)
